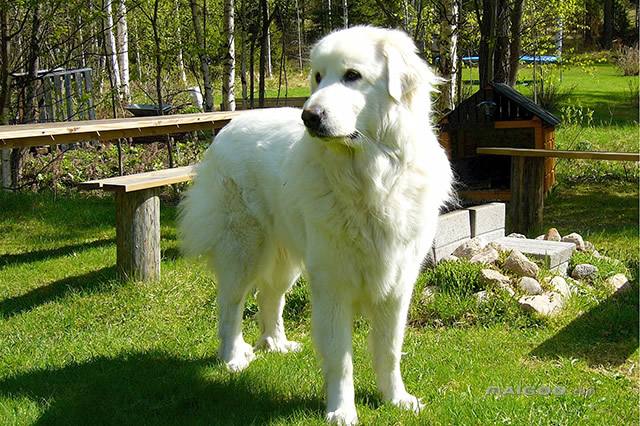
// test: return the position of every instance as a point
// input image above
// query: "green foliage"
(459, 277)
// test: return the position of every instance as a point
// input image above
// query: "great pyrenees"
(346, 191)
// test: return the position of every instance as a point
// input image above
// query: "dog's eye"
(318, 78)
(351, 75)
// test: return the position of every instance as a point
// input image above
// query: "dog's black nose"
(312, 117)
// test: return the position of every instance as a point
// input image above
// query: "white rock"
(492, 278)
(497, 246)
(544, 304)
(552, 235)
(515, 235)
(618, 282)
(540, 237)
(575, 239)
(468, 249)
(487, 255)
(520, 265)
(429, 293)
(559, 285)
(481, 296)
(584, 271)
(589, 247)
(449, 258)
(529, 286)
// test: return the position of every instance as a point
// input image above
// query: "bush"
(626, 59)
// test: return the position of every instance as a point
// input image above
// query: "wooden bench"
(138, 218)
(527, 179)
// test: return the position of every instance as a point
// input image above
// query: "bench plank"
(552, 153)
(140, 181)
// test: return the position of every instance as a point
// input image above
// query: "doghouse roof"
(510, 105)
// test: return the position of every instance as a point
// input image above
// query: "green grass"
(78, 344)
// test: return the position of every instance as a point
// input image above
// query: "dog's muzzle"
(313, 118)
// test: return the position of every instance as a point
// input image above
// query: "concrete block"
(443, 251)
(487, 237)
(453, 226)
(486, 218)
(553, 253)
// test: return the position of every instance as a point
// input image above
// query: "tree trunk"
(183, 74)
(487, 41)
(515, 42)
(204, 57)
(448, 46)
(123, 50)
(263, 50)
(501, 54)
(5, 51)
(345, 14)
(607, 30)
(329, 15)
(229, 78)
(299, 23)
(110, 42)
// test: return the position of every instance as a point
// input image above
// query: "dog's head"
(358, 76)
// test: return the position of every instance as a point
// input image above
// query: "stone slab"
(452, 227)
(487, 237)
(486, 218)
(443, 251)
(554, 253)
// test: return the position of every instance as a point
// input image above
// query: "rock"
(540, 237)
(597, 254)
(487, 255)
(543, 304)
(449, 258)
(529, 286)
(515, 235)
(429, 293)
(492, 278)
(589, 247)
(618, 282)
(575, 239)
(518, 263)
(497, 246)
(584, 271)
(468, 249)
(481, 296)
(552, 235)
(559, 285)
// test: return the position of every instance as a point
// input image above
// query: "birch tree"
(198, 31)
(448, 45)
(123, 49)
(110, 44)
(229, 77)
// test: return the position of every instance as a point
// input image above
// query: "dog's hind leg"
(271, 300)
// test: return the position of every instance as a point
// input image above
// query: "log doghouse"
(138, 218)
(528, 179)
(495, 116)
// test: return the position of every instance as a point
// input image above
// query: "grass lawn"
(77, 346)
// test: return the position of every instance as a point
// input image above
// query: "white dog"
(346, 191)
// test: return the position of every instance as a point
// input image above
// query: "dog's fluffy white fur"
(352, 204)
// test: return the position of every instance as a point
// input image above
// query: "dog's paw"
(240, 358)
(343, 416)
(409, 402)
(271, 344)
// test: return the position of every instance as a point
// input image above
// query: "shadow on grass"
(34, 256)
(605, 335)
(91, 281)
(153, 388)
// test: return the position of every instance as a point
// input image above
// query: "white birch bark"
(345, 13)
(299, 23)
(181, 69)
(123, 49)
(110, 43)
(448, 46)
(229, 77)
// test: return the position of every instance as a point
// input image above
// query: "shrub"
(626, 59)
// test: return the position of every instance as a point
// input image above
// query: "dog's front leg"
(388, 318)
(332, 321)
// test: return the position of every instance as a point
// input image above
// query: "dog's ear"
(407, 73)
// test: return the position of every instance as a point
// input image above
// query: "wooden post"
(138, 234)
(527, 193)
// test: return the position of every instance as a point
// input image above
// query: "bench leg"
(527, 193)
(138, 234)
